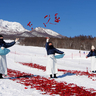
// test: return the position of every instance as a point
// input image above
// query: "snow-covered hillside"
(37, 55)
(7, 27)
(48, 31)
(42, 32)
(15, 28)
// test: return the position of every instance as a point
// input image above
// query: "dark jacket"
(6, 45)
(52, 50)
(92, 53)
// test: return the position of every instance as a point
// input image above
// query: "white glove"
(47, 39)
(2, 48)
(16, 39)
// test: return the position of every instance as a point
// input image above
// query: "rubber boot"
(50, 75)
(1, 76)
(93, 71)
(55, 76)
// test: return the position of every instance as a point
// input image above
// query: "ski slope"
(73, 60)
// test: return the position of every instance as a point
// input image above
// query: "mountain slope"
(42, 32)
(7, 27)
(15, 28)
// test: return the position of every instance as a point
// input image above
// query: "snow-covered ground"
(73, 60)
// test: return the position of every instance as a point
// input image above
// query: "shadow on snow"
(25, 76)
(66, 74)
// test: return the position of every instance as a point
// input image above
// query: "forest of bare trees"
(78, 42)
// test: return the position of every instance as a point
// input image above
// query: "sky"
(77, 17)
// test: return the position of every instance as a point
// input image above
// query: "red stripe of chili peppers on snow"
(49, 86)
(80, 73)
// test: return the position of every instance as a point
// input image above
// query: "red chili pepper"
(55, 17)
(58, 17)
(57, 20)
(26, 88)
(56, 14)
(48, 20)
(46, 16)
(29, 24)
(44, 24)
